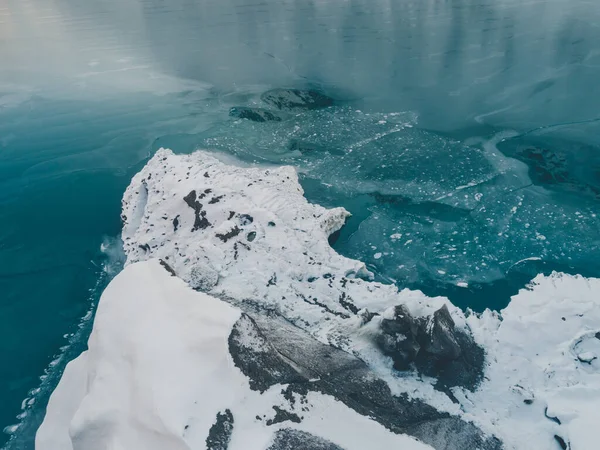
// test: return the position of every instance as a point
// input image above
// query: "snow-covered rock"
(541, 381)
(279, 334)
(249, 234)
(159, 375)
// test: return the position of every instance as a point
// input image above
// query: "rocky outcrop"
(270, 351)
(289, 439)
(272, 325)
(254, 114)
(250, 235)
(431, 344)
(219, 434)
(291, 99)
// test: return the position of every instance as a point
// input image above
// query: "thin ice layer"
(428, 209)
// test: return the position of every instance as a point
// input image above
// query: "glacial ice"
(540, 379)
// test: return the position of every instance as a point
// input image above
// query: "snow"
(289, 266)
(248, 235)
(533, 352)
(158, 371)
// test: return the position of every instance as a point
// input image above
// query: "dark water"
(464, 142)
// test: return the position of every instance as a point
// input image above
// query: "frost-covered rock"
(254, 114)
(286, 334)
(249, 234)
(161, 373)
(537, 386)
(431, 344)
(296, 99)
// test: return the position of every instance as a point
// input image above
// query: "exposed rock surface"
(166, 381)
(290, 99)
(288, 439)
(270, 351)
(219, 434)
(254, 114)
(433, 344)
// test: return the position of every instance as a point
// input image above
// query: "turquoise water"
(464, 142)
(63, 168)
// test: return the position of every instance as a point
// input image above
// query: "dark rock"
(434, 346)
(200, 221)
(598, 335)
(232, 233)
(175, 223)
(296, 99)
(552, 418)
(144, 247)
(561, 442)
(168, 268)
(466, 371)
(246, 219)
(282, 415)
(440, 335)
(215, 199)
(289, 439)
(254, 114)
(284, 354)
(263, 367)
(398, 338)
(219, 434)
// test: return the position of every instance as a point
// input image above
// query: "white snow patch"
(533, 347)
(158, 371)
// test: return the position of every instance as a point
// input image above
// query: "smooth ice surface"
(496, 61)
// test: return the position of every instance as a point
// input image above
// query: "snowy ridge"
(261, 241)
(543, 378)
(301, 317)
(136, 388)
